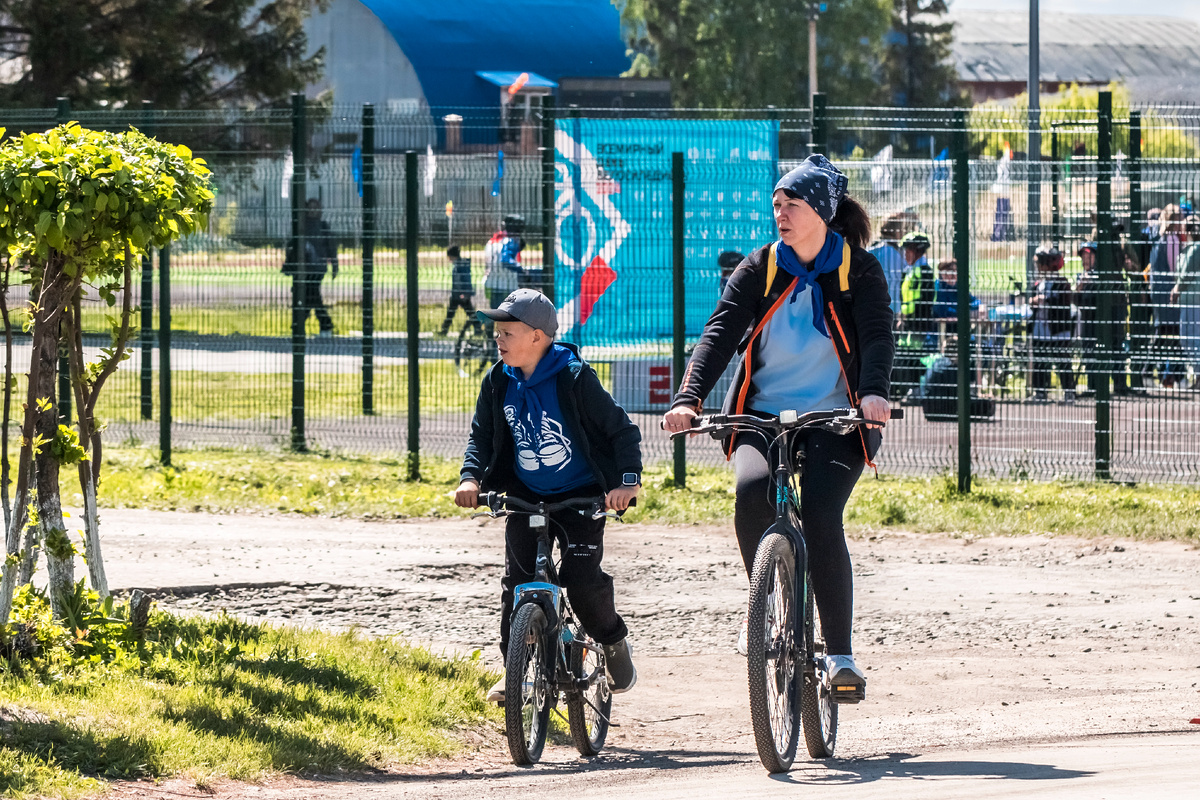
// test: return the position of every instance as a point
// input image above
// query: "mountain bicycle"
(790, 687)
(549, 654)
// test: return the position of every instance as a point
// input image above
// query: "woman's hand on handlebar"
(618, 499)
(875, 409)
(467, 494)
(679, 419)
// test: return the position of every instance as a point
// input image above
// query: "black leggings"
(833, 466)
(581, 545)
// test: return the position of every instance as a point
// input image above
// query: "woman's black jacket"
(859, 320)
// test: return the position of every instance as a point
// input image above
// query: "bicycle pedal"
(848, 693)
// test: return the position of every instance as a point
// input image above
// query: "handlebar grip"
(897, 413)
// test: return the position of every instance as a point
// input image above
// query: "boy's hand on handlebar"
(618, 499)
(875, 409)
(467, 494)
(679, 419)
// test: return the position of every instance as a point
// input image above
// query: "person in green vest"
(918, 330)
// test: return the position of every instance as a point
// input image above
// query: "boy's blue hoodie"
(605, 440)
(545, 455)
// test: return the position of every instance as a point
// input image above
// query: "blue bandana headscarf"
(817, 182)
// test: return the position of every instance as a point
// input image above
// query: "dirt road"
(1071, 667)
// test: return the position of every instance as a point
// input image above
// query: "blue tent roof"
(506, 79)
(449, 41)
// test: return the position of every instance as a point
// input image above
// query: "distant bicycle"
(474, 352)
(548, 652)
(790, 686)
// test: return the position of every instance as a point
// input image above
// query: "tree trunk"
(91, 544)
(60, 554)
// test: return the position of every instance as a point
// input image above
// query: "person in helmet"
(917, 292)
(1087, 300)
(1051, 334)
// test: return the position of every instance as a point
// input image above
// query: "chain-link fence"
(343, 221)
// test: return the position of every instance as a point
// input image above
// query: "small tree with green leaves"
(76, 208)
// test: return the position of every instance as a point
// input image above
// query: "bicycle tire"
(471, 351)
(528, 695)
(588, 712)
(772, 657)
(818, 712)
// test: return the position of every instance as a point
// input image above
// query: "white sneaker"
(743, 642)
(496, 693)
(847, 683)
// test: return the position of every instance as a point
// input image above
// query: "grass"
(219, 698)
(371, 487)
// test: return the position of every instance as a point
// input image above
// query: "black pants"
(833, 466)
(581, 545)
(311, 292)
(460, 300)
(1049, 356)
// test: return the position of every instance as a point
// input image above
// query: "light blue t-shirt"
(800, 369)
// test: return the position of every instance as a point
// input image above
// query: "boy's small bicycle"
(548, 652)
(790, 686)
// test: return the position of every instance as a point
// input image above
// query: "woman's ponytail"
(853, 222)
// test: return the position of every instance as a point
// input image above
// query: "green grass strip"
(370, 487)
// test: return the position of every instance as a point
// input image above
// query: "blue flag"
(356, 169)
(499, 173)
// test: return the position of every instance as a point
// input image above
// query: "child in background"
(462, 290)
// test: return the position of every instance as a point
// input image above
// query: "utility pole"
(1033, 156)
(814, 11)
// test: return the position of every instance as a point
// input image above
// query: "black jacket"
(604, 434)
(859, 322)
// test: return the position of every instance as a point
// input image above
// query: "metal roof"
(992, 46)
(507, 79)
(449, 42)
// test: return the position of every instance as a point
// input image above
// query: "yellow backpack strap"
(772, 268)
(844, 269)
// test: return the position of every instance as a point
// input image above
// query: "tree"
(76, 208)
(753, 53)
(919, 70)
(176, 53)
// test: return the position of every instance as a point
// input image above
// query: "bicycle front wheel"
(775, 653)
(588, 711)
(527, 691)
(818, 711)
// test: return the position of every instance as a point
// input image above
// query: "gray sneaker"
(618, 664)
(847, 683)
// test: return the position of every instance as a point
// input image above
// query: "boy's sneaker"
(618, 664)
(496, 693)
(847, 684)
(743, 642)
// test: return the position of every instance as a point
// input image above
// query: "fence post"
(677, 293)
(820, 132)
(63, 114)
(413, 302)
(549, 224)
(299, 192)
(1136, 342)
(962, 254)
(1105, 267)
(368, 258)
(1055, 212)
(164, 355)
(146, 335)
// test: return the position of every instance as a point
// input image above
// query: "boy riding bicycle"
(545, 428)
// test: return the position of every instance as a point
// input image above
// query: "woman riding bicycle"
(813, 317)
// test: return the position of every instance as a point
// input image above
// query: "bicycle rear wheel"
(588, 711)
(818, 712)
(775, 653)
(527, 691)
(471, 351)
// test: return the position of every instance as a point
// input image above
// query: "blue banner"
(614, 213)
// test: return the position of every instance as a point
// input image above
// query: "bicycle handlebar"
(838, 420)
(497, 501)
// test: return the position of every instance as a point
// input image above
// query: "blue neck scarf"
(828, 260)
(521, 392)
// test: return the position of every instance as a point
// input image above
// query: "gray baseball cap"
(525, 305)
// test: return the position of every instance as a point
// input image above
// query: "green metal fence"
(231, 351)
